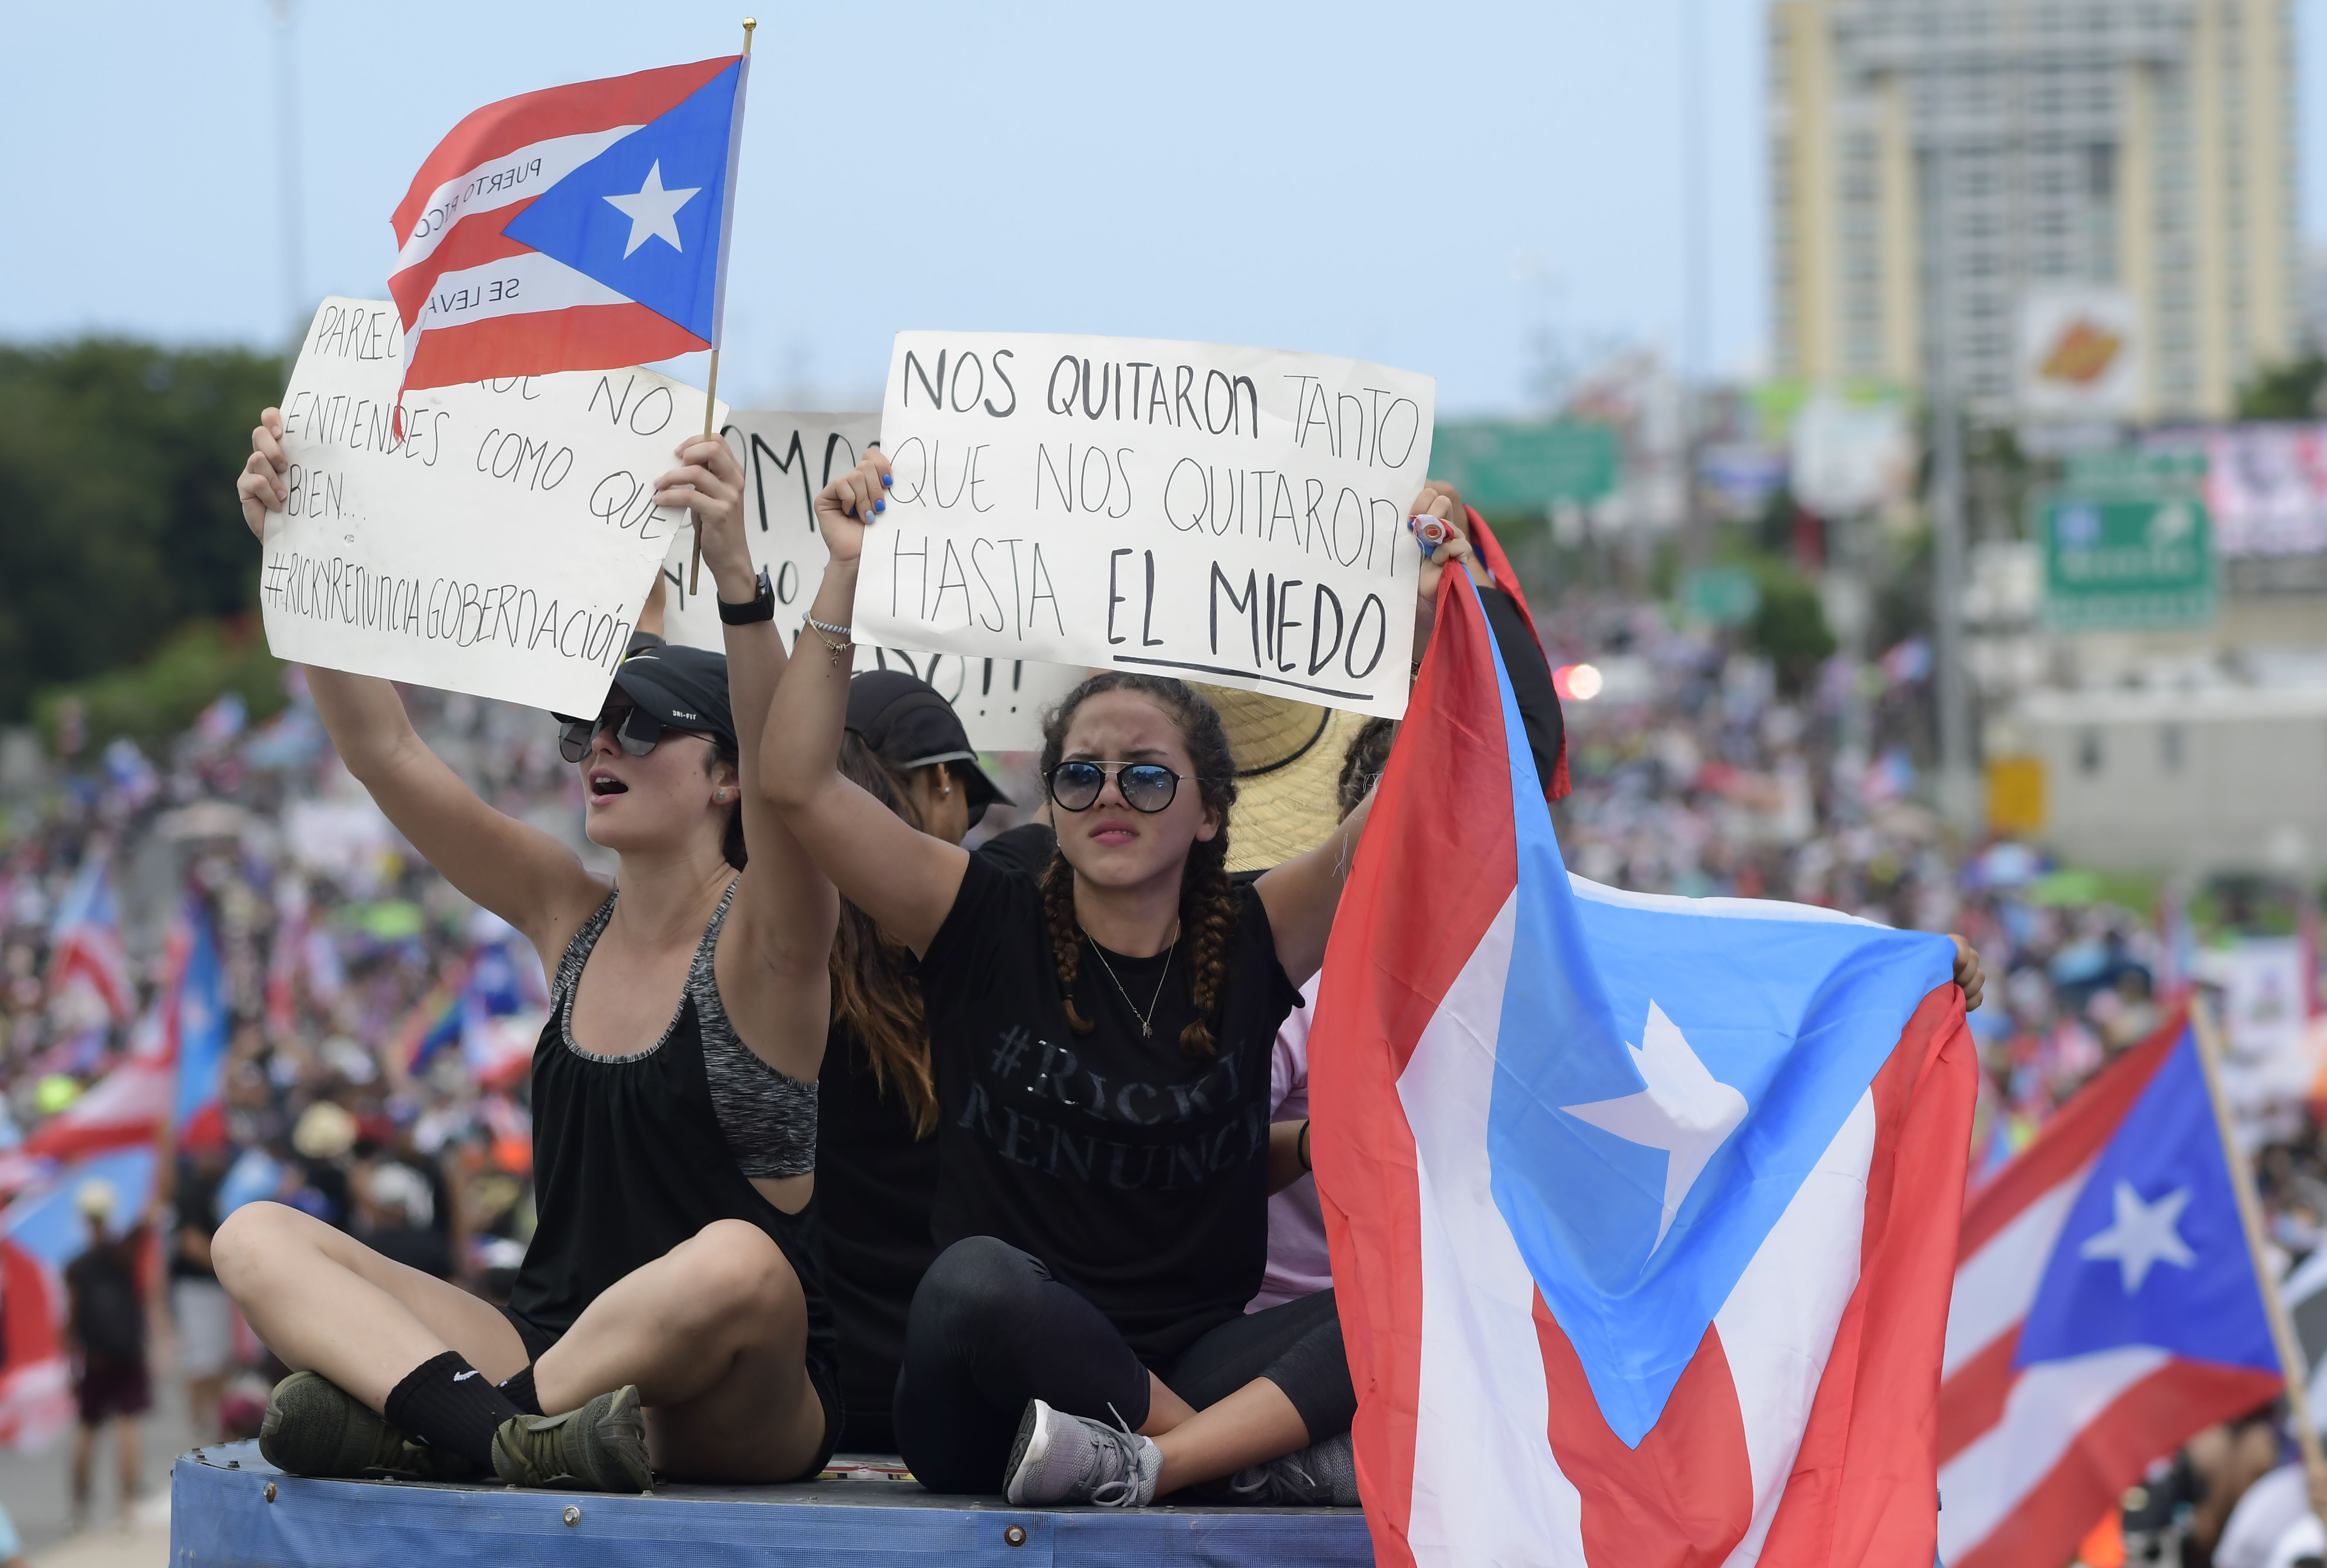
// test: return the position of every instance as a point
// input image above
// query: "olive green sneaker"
(314, 1427)
(600, 1447)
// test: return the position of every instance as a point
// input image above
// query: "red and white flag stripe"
(461, 286)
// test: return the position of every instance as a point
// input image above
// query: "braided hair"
(1206, 903)
(874, 992)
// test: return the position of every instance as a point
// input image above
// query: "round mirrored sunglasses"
(1146, 787)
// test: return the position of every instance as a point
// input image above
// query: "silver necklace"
(1146, 1026)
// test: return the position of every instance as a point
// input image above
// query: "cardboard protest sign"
(502, 545)
(788, 458)
(1228, 515)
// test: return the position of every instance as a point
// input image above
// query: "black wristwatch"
(759, 607)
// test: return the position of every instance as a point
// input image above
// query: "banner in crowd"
(2266, 485)
(503, 546)
(788, 458)
(1223, 514)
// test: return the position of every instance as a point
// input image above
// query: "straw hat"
(1288, 757)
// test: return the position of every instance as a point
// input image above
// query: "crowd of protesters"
(377, 1024)
(374, 1073)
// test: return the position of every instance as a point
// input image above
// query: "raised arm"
(903, 878)
(515, 869)
(1302, 895)
(784, 908)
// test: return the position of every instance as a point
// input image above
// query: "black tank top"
(631, 1156)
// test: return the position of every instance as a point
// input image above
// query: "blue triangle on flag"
(620, 218)
(2153, 1252)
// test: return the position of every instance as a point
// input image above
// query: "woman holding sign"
(1099, 1043)
(669, 1314)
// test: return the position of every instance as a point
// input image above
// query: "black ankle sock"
(518, 1391)
(449, 1404)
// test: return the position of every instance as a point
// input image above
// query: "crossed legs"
(713, 1333)
(990, 1330)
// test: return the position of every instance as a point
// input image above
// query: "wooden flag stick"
(2291, 1363)
(710, 392)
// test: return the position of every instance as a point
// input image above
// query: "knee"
(253, 1239)
(737, 1272)
(977, 1284)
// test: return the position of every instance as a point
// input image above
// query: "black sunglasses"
(636, 731)
(1146, 787)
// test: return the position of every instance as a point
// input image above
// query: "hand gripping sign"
(1223, 514)
(786, 459)
(502, 546)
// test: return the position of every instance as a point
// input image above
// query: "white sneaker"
(1072, 1459)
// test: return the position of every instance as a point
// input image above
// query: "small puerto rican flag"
(581, 228)
(1642, 1210)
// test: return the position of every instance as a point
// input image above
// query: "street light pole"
(1958, 792)
(292, 221)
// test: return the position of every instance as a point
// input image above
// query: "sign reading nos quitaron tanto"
(502, 543)
(1222, 514)
(788, 458)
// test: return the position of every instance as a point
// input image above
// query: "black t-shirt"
(1138, 1174)
(876, 1182)
(197, 1209)
(109, 1309)
(1530, 672)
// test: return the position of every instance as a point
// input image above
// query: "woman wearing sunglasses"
(1100, 1042)
(668, 1313)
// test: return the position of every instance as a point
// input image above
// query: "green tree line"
(119, 534)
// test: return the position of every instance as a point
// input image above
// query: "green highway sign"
(2126, 561)
(1502, 465)
(1721, 595)
(2136, 472)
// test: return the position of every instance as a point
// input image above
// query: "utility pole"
(1958, 792)
(1695, 239)
(288, 213)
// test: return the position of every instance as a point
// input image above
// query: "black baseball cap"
(909, 725)
(685, 687)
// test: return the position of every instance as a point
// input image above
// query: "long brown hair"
(873, 992)
(1207, 906)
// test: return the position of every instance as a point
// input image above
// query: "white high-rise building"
(1932, 161)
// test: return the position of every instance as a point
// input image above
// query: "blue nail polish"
(885, 481)
(880, 506)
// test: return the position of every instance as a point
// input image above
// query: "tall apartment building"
(1932, 160)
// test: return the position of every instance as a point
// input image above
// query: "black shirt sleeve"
(1530, 673)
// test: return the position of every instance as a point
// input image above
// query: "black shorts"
(822, 1376)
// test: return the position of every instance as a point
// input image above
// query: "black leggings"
(990, 1330)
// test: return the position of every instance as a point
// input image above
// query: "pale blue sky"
(1420, 185)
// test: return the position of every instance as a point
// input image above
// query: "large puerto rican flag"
(1642, 1210)
(581, 228)
(2106, 1308)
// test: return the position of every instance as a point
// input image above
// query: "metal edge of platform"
(251, 1514)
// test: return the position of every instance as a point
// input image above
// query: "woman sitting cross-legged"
(1099, 1044)
(667, 1316)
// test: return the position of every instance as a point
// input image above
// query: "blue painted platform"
(229, 1508)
